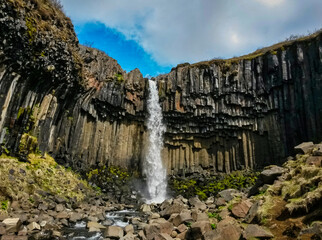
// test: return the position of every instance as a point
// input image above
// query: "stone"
(195, 202)
(156, 227)
(129, 228)
(11, 237)
(228, 229)
(12, 225)
(174, 234)
(270, 174)
(129, 236)
(210, 200)
(198, 229)
(183, 217)
(317, 150)
(256, 231)
(228, 194)
(202, 217)
(113, 232)
(252, 213)
(74, 217)
(183, 235)
(304, 148)
(62, 215)
(174, 208)
(314, 161)
(163, 236)
(95, 225)
(220, 201)
(241, 209)
(145, 208)
(33, 226)
(22, 232)
(182, 228)
(155, 216)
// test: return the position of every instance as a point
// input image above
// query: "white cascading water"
(154, 170)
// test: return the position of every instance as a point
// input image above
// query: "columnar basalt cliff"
(72, 101)
(79, 105)
(243, 112)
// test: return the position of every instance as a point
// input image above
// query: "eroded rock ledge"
(83, 109)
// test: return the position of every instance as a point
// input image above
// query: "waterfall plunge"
(153, 168)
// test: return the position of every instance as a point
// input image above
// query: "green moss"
(119, 77)
(4, 205)
(31, 29)
(20, 112)
(213, 185)
(213, 226)
(215, 215)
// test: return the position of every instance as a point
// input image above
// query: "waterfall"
(153, 168)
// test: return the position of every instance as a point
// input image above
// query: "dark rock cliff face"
(79, 105)
(240, 113)
(77, 102)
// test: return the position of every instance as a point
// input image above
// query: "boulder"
(129, 229)
(33, 226)
(62, 215)
(228, 229)
(74, 217)
(252, 213)
(256, 231)
(314, 161)
(95, 225)
(156, 227)
(163, 236)
(270, 174)
(317, 151)
(241, 209)
(228, 194)
(145, 208)
(182, 228)
(12, 225)
(174, 208)
(304, 148)
(183, 217)
(195, 202)
(113, 232)
(198, 229)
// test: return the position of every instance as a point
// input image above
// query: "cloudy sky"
(155, 35)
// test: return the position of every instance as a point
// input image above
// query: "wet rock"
(304, 148)
(95, 225)
(129, 229)
(255, 231)
(113, 232)
(74, 217)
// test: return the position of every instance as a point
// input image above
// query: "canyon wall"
(244, 112)
(79, 105)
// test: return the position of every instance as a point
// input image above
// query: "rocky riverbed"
(285, 203)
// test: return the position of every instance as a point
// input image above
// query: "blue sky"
(155, 35)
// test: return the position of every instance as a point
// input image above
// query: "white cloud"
(175, 31)
(272, 3)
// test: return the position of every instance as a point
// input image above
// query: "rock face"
(243, 112)
(79, 105)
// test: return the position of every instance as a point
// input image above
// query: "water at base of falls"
(153, 168)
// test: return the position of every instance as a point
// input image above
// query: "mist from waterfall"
(154, 170)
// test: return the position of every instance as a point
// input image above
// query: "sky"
(156, 35)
